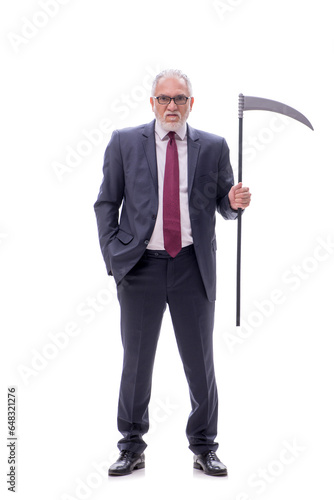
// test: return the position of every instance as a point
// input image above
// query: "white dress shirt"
(161, 140)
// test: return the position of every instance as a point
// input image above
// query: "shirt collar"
(180, 134)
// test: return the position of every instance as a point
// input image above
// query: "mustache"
(166, 113)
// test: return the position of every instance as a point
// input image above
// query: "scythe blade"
(259, 103)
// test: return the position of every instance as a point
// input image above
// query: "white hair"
(171, 73)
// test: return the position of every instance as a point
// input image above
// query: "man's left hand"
(239, 196)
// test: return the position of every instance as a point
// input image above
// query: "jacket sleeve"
(110, 196)
(225, 182)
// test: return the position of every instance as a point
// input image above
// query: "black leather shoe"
(210, 464)
(126, 463)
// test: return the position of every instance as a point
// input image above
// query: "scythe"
(247, 103)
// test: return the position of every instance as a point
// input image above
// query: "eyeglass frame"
(172, 99)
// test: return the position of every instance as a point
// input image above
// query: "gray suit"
(130, 177)
(148, 280)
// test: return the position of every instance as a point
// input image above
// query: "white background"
(63, 75)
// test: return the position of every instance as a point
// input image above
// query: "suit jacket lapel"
(150, 151)
(193, 152)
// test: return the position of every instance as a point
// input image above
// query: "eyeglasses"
(165, 99)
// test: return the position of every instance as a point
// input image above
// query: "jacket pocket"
(124, 237)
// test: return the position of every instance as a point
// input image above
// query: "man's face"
(171, 116)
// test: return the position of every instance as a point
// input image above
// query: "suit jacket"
(130, 186)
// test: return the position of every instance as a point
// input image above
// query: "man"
(169, 179)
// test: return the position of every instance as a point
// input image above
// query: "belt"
(163, 254)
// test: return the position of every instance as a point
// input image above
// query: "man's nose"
(172, 106)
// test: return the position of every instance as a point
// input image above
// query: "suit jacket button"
(154, 217)
(146, 242)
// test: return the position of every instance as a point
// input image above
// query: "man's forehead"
(171, 84)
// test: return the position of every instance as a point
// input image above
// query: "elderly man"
(170, 180)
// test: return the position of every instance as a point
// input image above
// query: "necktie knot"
(171, 135)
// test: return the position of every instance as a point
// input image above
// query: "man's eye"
(163, 98)
(180, 99)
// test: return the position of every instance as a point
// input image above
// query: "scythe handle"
(239, 266)
(241, 109)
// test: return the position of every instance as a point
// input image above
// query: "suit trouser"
(157, 280)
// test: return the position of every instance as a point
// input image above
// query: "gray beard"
(172, 127)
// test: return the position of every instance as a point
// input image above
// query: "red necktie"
(171, 199)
